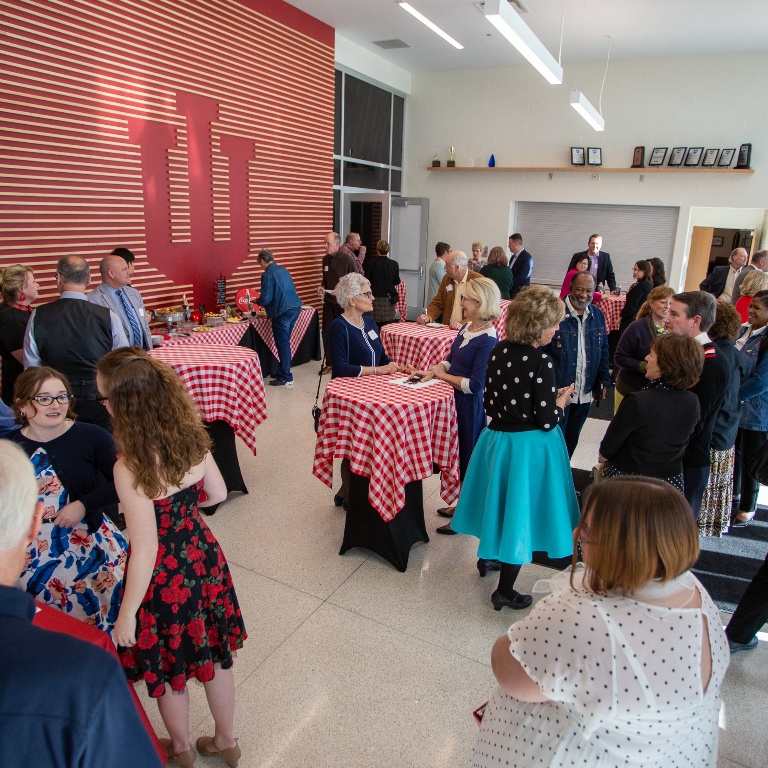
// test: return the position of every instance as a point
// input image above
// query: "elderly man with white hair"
(62, 701)
(446, 306)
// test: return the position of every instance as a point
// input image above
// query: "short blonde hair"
(755, 281)
(18, 494)
(486, 293)
(478, 246)
(12, 280)
(640, 529)
(531, 312)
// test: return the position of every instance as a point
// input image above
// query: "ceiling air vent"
(388, 45)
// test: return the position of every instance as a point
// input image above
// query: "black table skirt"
(393, 540)
(225, 454)
(309, 348)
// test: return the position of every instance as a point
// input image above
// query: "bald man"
(446, 305)
(115, 293)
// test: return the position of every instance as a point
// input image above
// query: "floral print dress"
(189, 619)
(78, 572)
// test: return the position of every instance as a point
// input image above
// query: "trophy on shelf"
(451, 157)
(435, 161)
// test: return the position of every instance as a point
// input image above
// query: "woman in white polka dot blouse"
(518, 496)
(622, 664)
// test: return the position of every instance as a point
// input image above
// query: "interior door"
(366, 213)
(408, 238)
(698, 257)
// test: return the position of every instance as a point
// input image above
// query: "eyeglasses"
(48, 399)
(368, 294)
(101, 398)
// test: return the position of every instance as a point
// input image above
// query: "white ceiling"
(639, 29)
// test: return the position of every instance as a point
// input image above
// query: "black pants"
(696, 479)
(748, 442)
(752, 611)
(93, 412)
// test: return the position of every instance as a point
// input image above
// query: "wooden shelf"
(594, 169)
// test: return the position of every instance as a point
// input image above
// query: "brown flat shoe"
(207, 748)
(184, 759)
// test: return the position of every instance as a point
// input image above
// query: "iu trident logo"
(201, 257)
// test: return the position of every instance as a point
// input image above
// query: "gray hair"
(74, 269)
(460, 258)
(349, 286)
(18, 494)
(266, 256)
(735, 251)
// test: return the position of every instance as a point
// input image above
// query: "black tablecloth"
(309, 348)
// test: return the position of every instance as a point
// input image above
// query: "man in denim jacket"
(579, 350)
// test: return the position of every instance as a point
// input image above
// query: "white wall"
(354, 57)
(717, 101)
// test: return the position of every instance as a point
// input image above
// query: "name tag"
(448, 287)
(141, 311)
(325, 268)
(372, 335)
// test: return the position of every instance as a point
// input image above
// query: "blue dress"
(518, 496)
(468, 358)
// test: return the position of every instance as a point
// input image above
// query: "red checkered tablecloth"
(390, 435)
(229, 333)
(499, 323)
(264, 328)
(402, 302)
(417, 345)
(611, 306)
(225, 382)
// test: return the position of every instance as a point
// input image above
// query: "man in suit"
(116, 293)
(521, 264)
(72, 335)
(721, 280)
(446, 306)
(759, 261)
(600, 266)
(56, 708)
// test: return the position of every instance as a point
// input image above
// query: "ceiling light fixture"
(501, 15)
(424, 20)
(582, 105)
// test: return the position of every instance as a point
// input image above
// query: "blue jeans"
(282, 326)
(573, 421)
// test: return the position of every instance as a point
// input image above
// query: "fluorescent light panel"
(424, 20)
(501, 15)
(581, 104)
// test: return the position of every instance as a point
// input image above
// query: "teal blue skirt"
(518, 496)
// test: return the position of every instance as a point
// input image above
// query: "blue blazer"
(715, 281)
(521, 272)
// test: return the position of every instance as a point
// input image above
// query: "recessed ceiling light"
(424, 20)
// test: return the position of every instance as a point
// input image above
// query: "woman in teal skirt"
(518, 496)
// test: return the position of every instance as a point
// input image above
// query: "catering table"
(422, 346)
(57, 621)
(227, 386)
(392, 437)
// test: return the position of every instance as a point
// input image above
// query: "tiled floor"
(351, 663)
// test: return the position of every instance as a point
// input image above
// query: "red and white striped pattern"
(225, 383)
(391, 435)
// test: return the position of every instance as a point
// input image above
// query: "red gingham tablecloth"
(264, 328)
(499, 323)
(225, 382)
(229, 333)
(612, 306)
(402, 302)
(391, 435)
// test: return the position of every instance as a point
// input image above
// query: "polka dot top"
(520, 389)
(624, 680)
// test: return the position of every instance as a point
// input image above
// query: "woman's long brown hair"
(155, 422)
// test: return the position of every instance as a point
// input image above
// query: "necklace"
(32, 434)
(352, 322)
(477, 330)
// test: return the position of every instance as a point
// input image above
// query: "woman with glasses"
(76, 563)
(622, 664)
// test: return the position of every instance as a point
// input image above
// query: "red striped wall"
(194, 133)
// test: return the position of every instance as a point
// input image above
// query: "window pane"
(366, 121)
(336, 172)
(397, 181)
(398, 108)
(337, 116)
(365, 176)
(336, 204)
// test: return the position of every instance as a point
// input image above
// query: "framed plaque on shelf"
(594, 156)
(638, 158)
(577, 156)
(658, 156)
(710, 157)
(693, 156)
(745, 156)
(726, 158)
(676, 156)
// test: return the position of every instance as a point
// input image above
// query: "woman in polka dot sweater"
(622, 664)
(518, 495)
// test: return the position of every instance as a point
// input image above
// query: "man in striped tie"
(116, 293)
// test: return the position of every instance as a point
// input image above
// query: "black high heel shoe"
(518, 602)
(483, 566)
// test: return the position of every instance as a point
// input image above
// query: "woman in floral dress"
(179, 617)
(76, 563)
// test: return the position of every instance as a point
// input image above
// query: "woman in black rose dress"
(179, 617)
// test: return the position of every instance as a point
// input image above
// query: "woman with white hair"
(353, 339)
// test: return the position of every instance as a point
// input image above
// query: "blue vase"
(492, 162)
